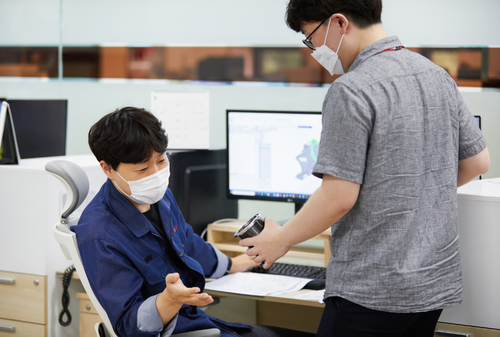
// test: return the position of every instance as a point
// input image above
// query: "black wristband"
(229, 264)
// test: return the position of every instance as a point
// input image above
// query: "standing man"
(397, 140)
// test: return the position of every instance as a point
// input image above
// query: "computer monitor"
(198, 183)
(205, 200)
(40, 127)
(271, 154)
(9, 151)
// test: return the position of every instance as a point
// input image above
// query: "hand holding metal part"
(251, 228)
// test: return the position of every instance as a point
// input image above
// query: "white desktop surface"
(479, 221)
(486, 189)
(83, 160)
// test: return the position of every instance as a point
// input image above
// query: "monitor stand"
(297, 208)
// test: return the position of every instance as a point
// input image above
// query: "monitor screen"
(271, 154)
(40, 127)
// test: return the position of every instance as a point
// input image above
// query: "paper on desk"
(256, 284)
(316, 295)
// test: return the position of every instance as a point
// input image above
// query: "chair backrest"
(76, 182)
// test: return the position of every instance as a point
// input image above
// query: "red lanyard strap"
(391, 49)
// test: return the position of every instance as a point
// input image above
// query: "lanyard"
(391, 49)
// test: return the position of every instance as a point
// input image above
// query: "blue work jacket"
(126, 262)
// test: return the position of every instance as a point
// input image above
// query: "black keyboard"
(296, 270)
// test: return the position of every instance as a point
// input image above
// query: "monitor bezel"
(480, 121)
(5, 121)
(480, 128)
(28, 151)
(256, 197)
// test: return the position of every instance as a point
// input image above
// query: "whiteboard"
(185, 116)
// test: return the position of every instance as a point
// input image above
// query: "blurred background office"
(100, 55)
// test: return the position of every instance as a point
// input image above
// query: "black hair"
(362, 13)
(127, 135)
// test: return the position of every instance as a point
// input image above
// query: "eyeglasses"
(308, 41)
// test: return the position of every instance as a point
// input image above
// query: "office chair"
(76, 182)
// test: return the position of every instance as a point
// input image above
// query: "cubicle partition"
(31, 202)
(478, 215)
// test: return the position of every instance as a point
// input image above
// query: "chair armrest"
(100, 330)
(214, 332)
(208, 306)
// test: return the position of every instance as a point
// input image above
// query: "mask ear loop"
(340, 43)
(327, 30)
(120, 188)
(121, 177)
(114, 183)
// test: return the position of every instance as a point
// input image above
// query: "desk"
(478, 315)
(285, 311)
(279, 310)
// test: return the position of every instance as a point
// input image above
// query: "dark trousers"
(342, 318)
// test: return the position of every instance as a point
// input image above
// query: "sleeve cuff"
(472, 150)
(222, 263)
(149, 320)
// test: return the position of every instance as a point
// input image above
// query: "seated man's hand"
(176, 291)
(169, 302)
(241, 263)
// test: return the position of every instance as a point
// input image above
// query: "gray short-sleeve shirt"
(396, 124)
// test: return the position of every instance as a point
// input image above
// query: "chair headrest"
(75, 181)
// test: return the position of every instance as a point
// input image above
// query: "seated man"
(146, 266)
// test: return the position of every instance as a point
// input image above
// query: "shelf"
(222, 237)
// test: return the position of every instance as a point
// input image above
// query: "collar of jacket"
(128, 214)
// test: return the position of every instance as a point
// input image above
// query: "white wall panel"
(231, 22)
(29, 22)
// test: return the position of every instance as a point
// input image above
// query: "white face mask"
(148, 190)
(328, 58)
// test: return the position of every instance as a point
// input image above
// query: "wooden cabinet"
(23, 309)
(88, 316)
(222, 237)
(10, 328)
